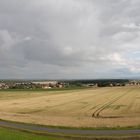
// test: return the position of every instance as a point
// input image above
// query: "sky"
(69, 39)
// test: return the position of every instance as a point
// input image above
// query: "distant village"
(114, 84)
(31, 85)
(57, 84)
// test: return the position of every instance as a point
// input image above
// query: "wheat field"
(97, 107)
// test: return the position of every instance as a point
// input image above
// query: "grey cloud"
(68, 38)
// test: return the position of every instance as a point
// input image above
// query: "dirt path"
(43, 129)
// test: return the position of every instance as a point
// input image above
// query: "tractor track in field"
(96, 113)
(76, 100)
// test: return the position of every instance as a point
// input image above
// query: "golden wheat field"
(97, 107)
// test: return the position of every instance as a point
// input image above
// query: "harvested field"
(99, 107)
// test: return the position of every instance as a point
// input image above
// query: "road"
(46, 129)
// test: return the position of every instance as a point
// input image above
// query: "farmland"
(94, 107)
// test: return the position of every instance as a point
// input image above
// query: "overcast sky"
(69, 39)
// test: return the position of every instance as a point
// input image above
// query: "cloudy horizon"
(69, 39)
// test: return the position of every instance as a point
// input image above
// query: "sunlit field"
(96, 107)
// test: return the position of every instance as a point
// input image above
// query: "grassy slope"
(8, 134)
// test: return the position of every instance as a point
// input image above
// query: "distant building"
(133, 83)
(3, 86)
(46, 84)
